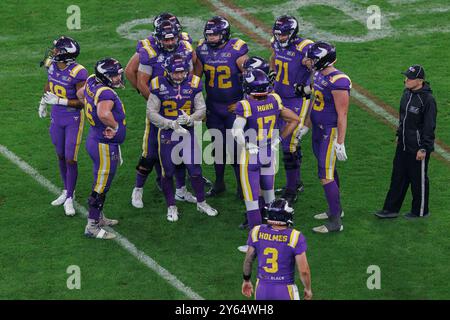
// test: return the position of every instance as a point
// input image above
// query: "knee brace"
(291, 160)
(96, 200)
(145, 165)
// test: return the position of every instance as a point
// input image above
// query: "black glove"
(302, 90)
(272, 74)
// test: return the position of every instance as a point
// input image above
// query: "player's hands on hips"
(307, 294)
(110, 132)
(340, 152)
(252, 148)
(42, 109)
(247, 288)
(185, 119)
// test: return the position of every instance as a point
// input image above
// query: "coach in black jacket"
(415, 142)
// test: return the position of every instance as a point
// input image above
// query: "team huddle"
(262, 107)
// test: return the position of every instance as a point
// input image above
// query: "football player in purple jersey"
(331, 94)
(289, 69)
(278, 249)
(105, 113)
(174, 105)
(254, 131)
(221, 59)
(131, 69)
(64, 77)
(151, 58)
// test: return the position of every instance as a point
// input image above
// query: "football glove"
(42, 108)
(272, 74)
(51, 98)
(252, 148)
(175, 126)
(340, 152)
(302, 90)
(301, 132)
(184, 119)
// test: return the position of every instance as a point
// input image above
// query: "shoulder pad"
(154, 83)
(238, 44)
(200, 42)
(255, 232)
(247, 108)
(278, 98)
(187, 45)
(100, 91)
(293, 239)
(75, 70)
(195, 81)
(150, 51)
(300, 46)
(335, 78)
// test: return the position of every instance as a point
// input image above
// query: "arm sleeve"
(153, 107)
(429, 124)
(238, 130)
(199, 106)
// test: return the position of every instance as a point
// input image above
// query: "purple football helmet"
(256, 62)
(64, 49)
(167, 16)
(322, 54)
(108, 68)
(217, 26)
(256, 82)
(285, 25)
(278, 212)
(164, 31)
(176, 62)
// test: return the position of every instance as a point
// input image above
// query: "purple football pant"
(218, 117)
(270, 291)
(105, 158)
(173, 153)
(323, 141)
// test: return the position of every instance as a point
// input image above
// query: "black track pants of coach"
(407, 170)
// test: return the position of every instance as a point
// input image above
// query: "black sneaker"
(384, 214)
(411, 215)
(217, 189)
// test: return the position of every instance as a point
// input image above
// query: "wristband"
(247, 278)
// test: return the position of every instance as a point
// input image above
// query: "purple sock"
(167, 188)
(71, 178)
(140, 180)
(63, 171)
(180, 176)
(220, 173)
(333, 198)
(291, 180)
(199, 188)
(94, 214)
(254, 218)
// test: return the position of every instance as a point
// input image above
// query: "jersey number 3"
(272, 260)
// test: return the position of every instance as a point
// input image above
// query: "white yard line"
(369, 103)
(121, 240)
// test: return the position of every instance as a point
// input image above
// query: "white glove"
(51, 98)
(184, 119)
(252, 148)
(301, 132)
(175, 126)
(274, 144)
(42, 108)
(340, 152)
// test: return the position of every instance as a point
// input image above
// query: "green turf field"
(38, 243)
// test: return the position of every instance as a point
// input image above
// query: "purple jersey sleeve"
(147, 55)
(250, 241)
(239, 109)
(107, 94)
(341, 82)
(81, 76)
(301, 245)
(241, 47)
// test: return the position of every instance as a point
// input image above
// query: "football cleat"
(172, 213)
(94, 231)
(324, 215)
(243, 248)
(206, 208)
(183, 194)
(61, 199)
(216, 189)
(68, 207)
(136, 198)
(324, 229)
(105, 222)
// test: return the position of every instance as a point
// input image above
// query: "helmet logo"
(323, 52)
(250, 77)
(100, 68)
(256, 64)
(72, 48)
